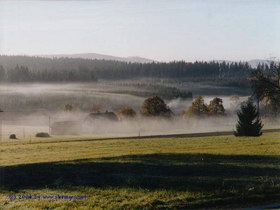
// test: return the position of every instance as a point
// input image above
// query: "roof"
(103, 116)
(66, 123)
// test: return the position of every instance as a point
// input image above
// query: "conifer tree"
(249, 123)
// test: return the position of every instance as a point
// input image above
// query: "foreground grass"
(148, 173)
(25, 153)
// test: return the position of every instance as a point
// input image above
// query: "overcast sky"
(163, 30)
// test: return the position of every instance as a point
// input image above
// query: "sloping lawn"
(205, 172)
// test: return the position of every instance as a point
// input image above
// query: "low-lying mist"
(28, 126)
(32, 108)
(108, 95)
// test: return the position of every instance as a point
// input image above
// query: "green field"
(204, 172)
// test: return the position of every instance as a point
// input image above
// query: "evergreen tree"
(249, 123)
(78, 69)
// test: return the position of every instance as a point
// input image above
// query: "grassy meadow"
(202, 172)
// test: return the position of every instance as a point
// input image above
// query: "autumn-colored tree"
(234, 101)
(197, 109)
(234, 98)
(126, 113)
(68, 107)
(216, 107)
(155, 107)
(266, 87)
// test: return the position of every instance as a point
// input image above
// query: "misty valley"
(32, 104)
(139, 104)
(35, 93)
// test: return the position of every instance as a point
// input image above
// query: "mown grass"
(204, 172)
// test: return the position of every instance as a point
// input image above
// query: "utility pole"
(23, 131)
(50, 125)
(1, 130)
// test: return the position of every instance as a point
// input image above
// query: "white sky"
(163, 30)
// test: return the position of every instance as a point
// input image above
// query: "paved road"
(222, 133)
(206, 134)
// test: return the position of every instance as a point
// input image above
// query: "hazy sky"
(163, 30)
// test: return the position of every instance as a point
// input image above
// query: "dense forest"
(25, 69)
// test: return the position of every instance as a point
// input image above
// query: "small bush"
(43, 135)
(13, 136)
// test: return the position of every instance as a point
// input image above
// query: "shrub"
(43, 135)
(13, 136)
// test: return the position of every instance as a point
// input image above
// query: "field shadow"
(191, 172)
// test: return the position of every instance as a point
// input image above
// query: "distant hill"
(132, 59)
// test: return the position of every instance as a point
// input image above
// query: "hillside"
(163, 173)
(131, 59)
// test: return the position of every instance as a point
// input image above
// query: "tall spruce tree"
(249, 123)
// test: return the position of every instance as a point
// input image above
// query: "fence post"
(50, 125)
(23, 131)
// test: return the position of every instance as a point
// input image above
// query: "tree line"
(156, 107)
(25, 68)
(249, 122)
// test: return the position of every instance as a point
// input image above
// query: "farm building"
(91, 124)
(93, 117)
(67, 128)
